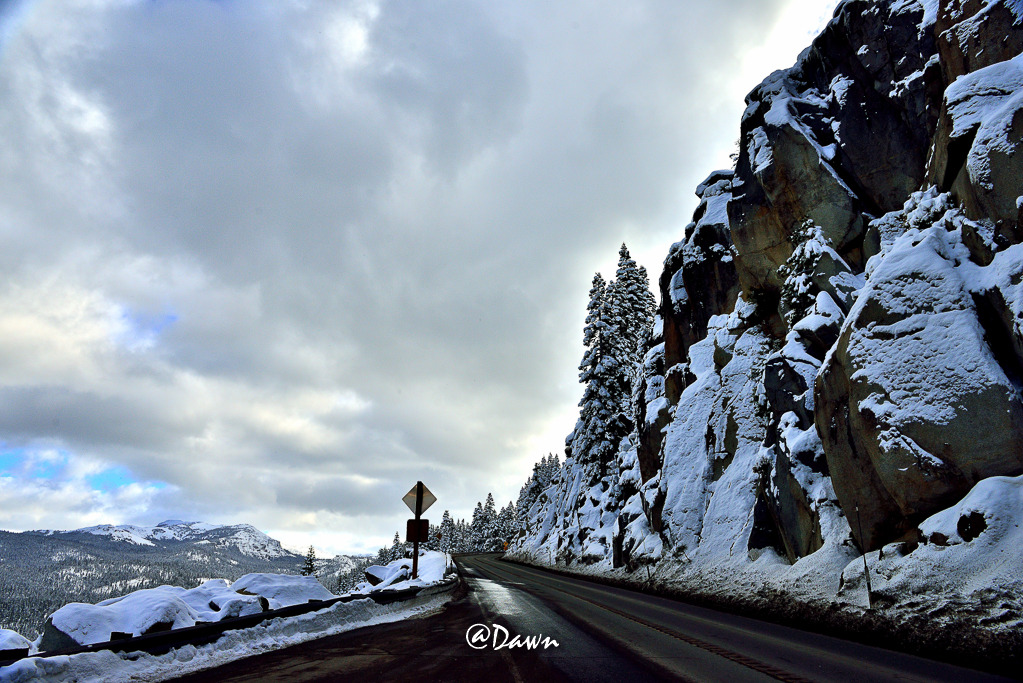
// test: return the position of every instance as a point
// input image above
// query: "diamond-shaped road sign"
(410, 499)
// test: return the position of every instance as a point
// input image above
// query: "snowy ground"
(132, 613)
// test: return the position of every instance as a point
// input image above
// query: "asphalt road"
(602, 634)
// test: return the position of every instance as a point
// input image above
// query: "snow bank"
(433, 567)
(170, 607)
(969, 555)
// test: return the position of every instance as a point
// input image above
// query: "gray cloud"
(287, 258)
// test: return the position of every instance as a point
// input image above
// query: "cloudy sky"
(272, 261)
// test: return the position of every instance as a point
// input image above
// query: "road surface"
(602, 634)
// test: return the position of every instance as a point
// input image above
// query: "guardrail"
(204, 633)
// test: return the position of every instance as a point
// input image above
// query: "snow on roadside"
(111, 667)
(139, 611)
(395, 575)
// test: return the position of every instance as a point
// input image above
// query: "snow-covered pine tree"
(635, 305)
(432, 539)
(397, 548)
(309, 567)
(447, 533)
(604, 372)
(383, 555)
(505, 525)
(476, 530)
(543, 476)
(489, 525)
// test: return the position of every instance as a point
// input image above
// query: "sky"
(273, 261)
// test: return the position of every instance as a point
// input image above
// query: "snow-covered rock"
(432, 568)
(837, 367)
(918, 406)
(144, 611)
(282, 590)
(12, 640)
(172, 607)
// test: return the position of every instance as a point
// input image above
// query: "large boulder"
(843, 133)
(977, 153)
(912, 405)
(699, 279)
(964, 31)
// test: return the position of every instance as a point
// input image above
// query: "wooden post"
(415, 539)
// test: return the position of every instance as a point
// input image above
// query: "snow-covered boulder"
(977, 154)
(217, 599)
(385, 575)
(433, 567)
(138, 613)
(969, 559)
(172, 607)
(282, 590)
(914, 406)
(12, 640)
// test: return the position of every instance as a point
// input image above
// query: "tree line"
(487, 532)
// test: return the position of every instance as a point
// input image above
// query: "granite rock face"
(838, 356)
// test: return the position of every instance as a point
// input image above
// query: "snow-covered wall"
(838, 360)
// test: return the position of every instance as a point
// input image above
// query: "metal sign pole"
(415, 541)
(866, 572)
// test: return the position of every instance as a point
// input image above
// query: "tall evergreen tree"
(476, 530)
(619, 321)
(543, 476)
(309, 568)
(489, 525)
(634, 305)
(604, 374)
(504, 528)
(447, 533)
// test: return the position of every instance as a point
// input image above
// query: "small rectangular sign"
(415, 533)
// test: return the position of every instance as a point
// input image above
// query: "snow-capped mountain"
(246, 538)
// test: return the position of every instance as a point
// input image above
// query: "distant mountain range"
(42, 570)
(245, 538)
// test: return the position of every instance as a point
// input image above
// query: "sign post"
(418, 500)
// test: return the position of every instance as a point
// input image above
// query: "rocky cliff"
(838, 361)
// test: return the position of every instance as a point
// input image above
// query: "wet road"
(602, 633)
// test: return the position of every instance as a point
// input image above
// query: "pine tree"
(504, 528)
(475, 540)
(383, 555)
(619, 321)
(309, 568)
(634, 304)
(489, 525)
(604, 374)
(447, 533)
(397, 548)
(543, 476)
